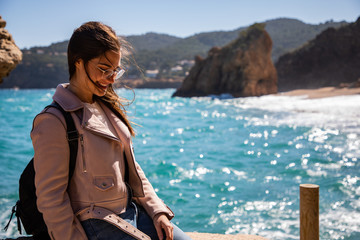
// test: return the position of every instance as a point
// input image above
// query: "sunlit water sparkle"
(223, 165)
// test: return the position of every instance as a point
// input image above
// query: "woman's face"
(98, 71)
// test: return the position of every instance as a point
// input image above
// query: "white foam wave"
(336, 222)
(197, 173)
(241, 219)
(339, 223)
(333, 113)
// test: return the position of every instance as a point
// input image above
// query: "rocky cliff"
(241, 68)
(333, 57)
(10, 54)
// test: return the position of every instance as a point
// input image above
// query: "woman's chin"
(101, 90)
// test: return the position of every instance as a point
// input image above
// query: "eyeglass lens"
(109, 73)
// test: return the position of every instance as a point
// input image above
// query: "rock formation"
(330, 59)
(10, 54)
(242, 68)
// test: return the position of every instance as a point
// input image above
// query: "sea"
(223, 165)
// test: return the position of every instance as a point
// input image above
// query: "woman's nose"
(111, 79)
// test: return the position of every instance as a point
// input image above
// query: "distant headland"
(167, 60)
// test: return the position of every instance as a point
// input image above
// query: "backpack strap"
(72, 137)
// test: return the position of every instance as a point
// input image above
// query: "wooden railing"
(309, 212)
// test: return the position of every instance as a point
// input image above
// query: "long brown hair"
(91, 40)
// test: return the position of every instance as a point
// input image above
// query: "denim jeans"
(96, 229)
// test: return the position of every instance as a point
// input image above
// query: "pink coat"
(98, 178)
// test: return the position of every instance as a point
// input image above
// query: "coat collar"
(70, 103)
(95, 125)
(66, 99)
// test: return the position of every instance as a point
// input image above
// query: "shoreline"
(324, 92)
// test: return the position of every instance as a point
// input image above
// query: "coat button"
(104, 184)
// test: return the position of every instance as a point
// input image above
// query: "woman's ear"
(79, 63)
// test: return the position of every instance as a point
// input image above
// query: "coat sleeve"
(51, 163)
(151, 202)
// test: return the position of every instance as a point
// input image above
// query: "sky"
(42, 22)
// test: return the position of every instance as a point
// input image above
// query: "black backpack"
(25, 208)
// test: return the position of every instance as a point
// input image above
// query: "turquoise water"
(223, 165)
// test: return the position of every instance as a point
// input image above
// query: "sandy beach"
(321, 92)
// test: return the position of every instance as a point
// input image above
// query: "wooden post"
(309, 212)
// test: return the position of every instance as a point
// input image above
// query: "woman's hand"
(161, 223)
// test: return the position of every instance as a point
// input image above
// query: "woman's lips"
(104, 87)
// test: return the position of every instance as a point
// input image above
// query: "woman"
(108, 196)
